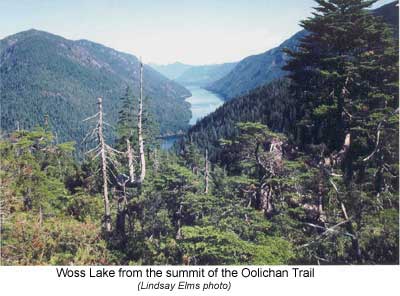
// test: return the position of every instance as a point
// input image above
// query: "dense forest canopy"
(304, 170)
(45, 74)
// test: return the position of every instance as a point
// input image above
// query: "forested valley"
(46, 74)
(302, 170)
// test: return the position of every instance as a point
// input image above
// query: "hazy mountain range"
(255, 71)
(172, 71)
(202, 75)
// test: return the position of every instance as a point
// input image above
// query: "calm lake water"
(202, 103)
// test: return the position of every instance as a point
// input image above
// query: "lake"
(202, 102)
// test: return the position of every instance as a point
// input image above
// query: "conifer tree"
(345, 85)
(126, 120)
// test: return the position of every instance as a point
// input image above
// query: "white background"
(329, 280)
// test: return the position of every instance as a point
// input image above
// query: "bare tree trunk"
(140, 131)
(46, 121)
(270, 164)
(179, 232)
(40, 216)
(130, 161)
(121, 215)
(206, 173)
(349, 225)
(156, 164)
(105, 153)
(321, 213)
(107, 213)
(266, 196)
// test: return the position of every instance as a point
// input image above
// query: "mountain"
(204, 75)
(257, 70)
(172, 71)
(201, 75)
(42, 73)
(390, 14)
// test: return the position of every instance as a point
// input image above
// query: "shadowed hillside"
(46, 74)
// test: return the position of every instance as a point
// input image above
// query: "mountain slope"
(42, 73)
(390, 14)
(194, 75)
(257, 70)
(172, 71)
(204, 75)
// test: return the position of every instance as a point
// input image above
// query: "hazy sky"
(165, 31)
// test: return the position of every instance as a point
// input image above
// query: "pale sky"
(165, 31)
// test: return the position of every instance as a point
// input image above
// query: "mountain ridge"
(205, 74)
(41, 70)
(199, 75)
(257, 70)
(171, 71)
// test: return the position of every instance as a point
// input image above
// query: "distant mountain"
(172, 71)
(42, 73)
(258, 70)
(390, 14)
(194, 75)
(204, 75)
(255, 71)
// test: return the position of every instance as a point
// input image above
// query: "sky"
(165, 31)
